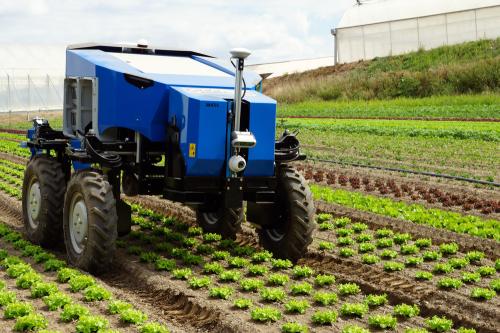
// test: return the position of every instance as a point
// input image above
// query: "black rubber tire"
(292, 233)
(223, 221)
(102, 218)
(47, 226)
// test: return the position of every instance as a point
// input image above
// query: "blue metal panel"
(122, 104)
(202, 122)
(263, 126)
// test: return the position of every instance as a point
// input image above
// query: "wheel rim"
(34, 203)
(275, 234)
(211, 218)
(78, 223)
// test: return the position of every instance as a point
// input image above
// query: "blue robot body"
(146, 93)
(171, 123)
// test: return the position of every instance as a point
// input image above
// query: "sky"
(274, 30)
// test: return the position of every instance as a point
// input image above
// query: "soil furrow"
(13, 158)
(172, 299)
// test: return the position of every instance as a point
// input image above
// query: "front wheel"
(90, 221)
(291, 232)
(44, 185)
(223, 221)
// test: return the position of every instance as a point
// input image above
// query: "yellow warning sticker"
(192, 150)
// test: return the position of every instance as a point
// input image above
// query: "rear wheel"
(223, 221)
(44, 185)
(291, 233)
(90, 221)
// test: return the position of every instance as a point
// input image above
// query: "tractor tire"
(44, 186)
(223, 221)
(291, 234)
(90, 221)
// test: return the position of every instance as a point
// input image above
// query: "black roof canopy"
(134, 48)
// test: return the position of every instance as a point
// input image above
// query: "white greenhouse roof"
(29, 58)
(391, 10)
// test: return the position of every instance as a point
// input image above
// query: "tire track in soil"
(466, 242)
(171, 300)
(431, 300)
(167, 301)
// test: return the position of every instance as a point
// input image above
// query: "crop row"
(372, 248)
(272, 289)
(438, 107)
(8, 177)
(12, 136)
(404, 190)
(13, 148)
(411, 128)
(415, 213)
(468, 158)
(41, 286)
(396, 252)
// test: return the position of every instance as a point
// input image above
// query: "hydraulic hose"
(109, 160)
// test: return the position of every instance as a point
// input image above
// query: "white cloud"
(273, 29)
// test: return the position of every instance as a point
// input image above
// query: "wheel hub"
(78, 224)
(34, 203)
(211, 218)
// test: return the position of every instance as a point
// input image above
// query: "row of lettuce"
(30, 268)
(416, 213)
(395, 252)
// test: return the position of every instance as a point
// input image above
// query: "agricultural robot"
(140, 120)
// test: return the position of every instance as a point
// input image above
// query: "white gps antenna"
(240, 54)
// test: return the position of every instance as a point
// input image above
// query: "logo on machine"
(212, 105)
(192, 150)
